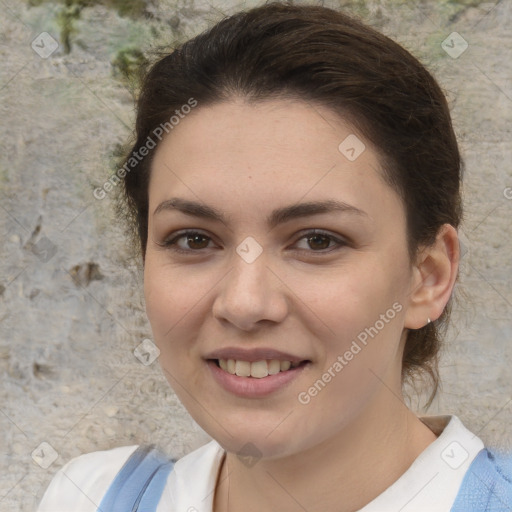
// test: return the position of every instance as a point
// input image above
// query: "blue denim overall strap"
(139, 484)
(487, 485)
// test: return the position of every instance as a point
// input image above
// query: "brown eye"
(194, 242)
(318, 241)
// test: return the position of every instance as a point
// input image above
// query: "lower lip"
(251, 387)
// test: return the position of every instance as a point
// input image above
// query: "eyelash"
(171, 244)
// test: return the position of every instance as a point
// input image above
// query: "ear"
(433, 278)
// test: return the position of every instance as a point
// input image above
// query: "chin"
(251, 440)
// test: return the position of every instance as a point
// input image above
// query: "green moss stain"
(65, 20)
(127, 66)
(70, 12)
(132, 8)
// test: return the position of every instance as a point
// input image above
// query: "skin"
(356, 437)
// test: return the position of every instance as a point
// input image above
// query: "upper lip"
(253, 355)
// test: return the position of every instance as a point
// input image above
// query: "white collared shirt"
(430, 483)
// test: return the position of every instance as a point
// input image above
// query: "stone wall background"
(71, 307)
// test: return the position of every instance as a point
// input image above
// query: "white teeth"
(243, 368)
(285, 365)
(257, 369)
(274, 366)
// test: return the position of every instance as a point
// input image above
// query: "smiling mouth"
(256, 369)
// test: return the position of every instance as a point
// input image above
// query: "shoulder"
(495, 463)
(488, 482)
(81, 483)
(501, 463)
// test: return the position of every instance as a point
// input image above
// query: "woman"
(295, 189)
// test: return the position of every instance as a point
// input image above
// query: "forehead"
(274, 151)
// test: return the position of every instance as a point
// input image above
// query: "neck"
(342, 474)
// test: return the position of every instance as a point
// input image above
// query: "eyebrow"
(278, 216)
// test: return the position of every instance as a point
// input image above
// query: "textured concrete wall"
(71, 309)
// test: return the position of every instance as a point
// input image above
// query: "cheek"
(168, 299)
(158, 299)
(356, 295)
(363, 311)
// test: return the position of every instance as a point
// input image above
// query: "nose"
(250, 295)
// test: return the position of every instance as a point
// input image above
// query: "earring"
(428, 320)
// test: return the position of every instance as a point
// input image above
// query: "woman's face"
(335, 300)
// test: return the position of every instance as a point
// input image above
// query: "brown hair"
(319, 55)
